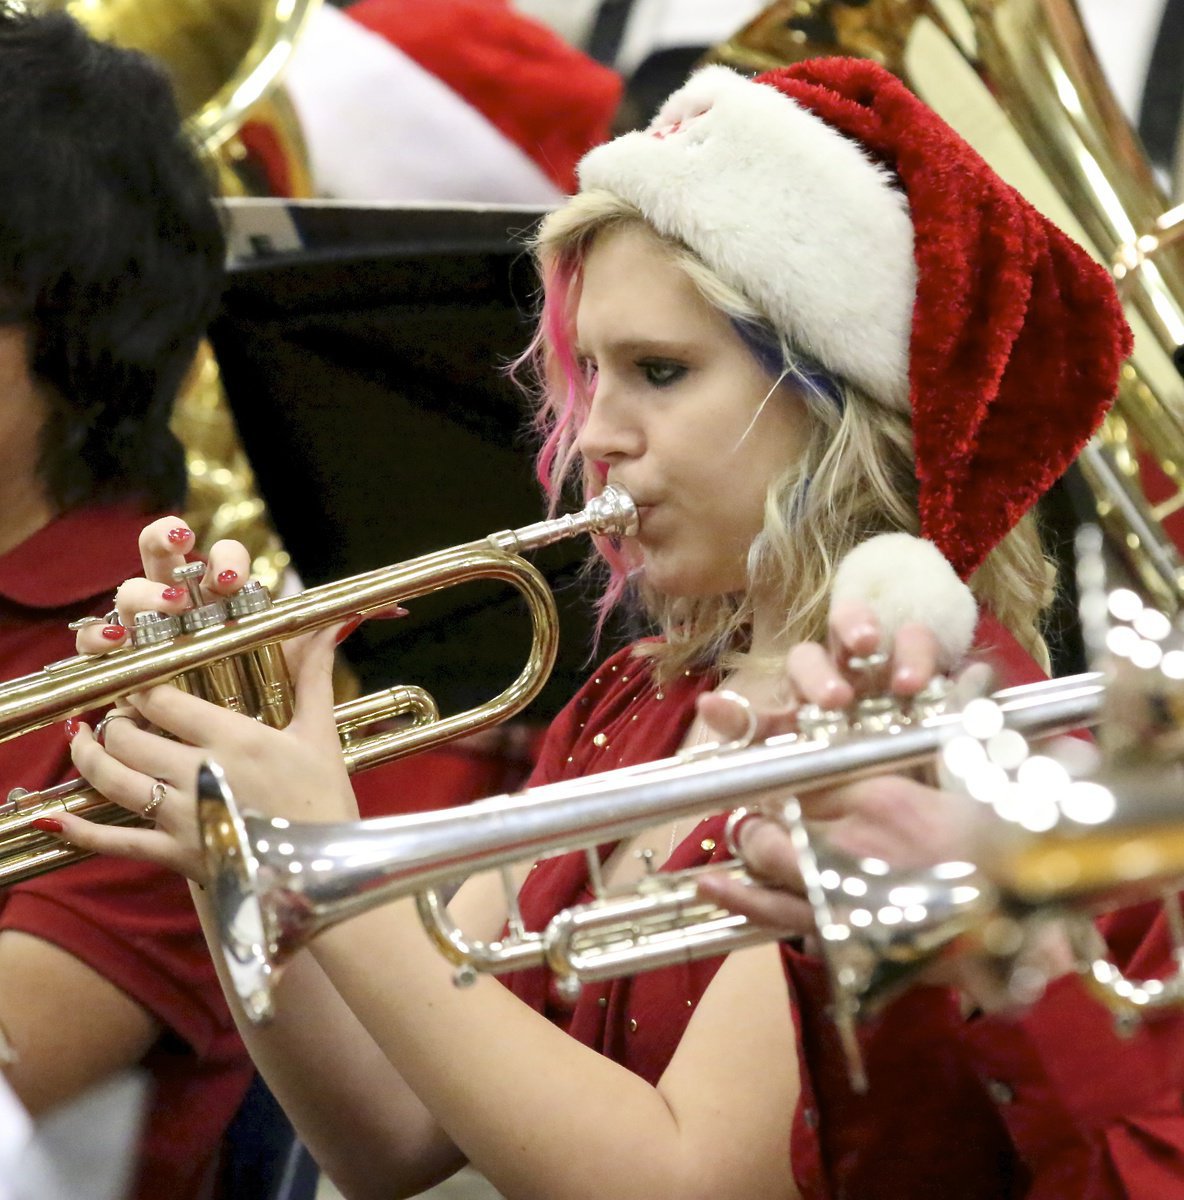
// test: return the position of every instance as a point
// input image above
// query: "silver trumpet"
(275, 885)
(1044, 841)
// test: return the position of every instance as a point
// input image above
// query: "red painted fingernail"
(180, 535)
(348, 628)
(225, 577)
(172, 593)
(48, 825)
(72, 728)
(113, 633)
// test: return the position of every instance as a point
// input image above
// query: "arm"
(364, 1127)
(70, 1027)
(543, 1116)
(539, 1113)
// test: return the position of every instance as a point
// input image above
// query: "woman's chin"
(674, 584)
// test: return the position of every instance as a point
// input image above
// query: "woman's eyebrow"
(672, 347)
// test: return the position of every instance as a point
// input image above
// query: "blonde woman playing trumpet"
(792, 314)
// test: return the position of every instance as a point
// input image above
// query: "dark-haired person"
(110, 263)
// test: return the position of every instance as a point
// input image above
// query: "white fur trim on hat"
(907, 579)
(785, 209)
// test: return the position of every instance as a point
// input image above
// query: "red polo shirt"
(132, 923)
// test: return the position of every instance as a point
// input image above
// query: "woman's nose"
(608, 434)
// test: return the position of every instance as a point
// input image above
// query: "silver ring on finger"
(101, 727)
(83, 622)
(156, 800)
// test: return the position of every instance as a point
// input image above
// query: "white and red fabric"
(454, 100)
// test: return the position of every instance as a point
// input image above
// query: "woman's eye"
(660, 373)
(587, 369)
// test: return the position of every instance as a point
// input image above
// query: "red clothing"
(1050, 1105)
(132, 923)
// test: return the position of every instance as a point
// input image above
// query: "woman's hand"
(888, 811)
(898, 820)
(163, 547)
(834, 676)
(297, 772)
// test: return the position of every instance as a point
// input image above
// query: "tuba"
(228, 652)
(1018, 80)
(224, 59)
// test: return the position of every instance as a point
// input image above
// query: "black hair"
(111, 254)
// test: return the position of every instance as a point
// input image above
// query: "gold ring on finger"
(157, 799)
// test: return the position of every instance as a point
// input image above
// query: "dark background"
(366, 372)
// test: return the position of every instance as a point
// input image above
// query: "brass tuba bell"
(1018, 80)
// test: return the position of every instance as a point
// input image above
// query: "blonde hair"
(854, 479)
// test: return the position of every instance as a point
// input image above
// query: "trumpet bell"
(248, 944)
(879, 928)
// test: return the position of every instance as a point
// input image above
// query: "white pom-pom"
(906, 579)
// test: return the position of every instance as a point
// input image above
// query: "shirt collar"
(77, 556)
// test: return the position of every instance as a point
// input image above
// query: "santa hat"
(449, 100)
(884, 247)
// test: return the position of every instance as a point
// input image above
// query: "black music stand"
(363, 351)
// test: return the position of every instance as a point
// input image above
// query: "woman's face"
(677, 416)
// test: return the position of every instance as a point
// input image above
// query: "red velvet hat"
(881, 244)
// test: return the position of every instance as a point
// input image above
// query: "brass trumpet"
(229, 653)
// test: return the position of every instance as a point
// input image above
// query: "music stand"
(364, 355)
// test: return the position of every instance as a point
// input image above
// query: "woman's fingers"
(98, 636)
(228, 567)
(163, 546)
(902, 821)
(775, 895)
(192, 720)
(915, 658)
(853, 630)
(147, 752)
(155, 783)
(132, 596)
(815, 676)
(768, 853)
(125, 784)
(143, 845)
(834, 676)
(788, 914)
(314, 677)
(732, 720)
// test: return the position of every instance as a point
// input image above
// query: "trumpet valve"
(822, 724)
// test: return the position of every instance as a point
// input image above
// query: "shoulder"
(996, 645)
